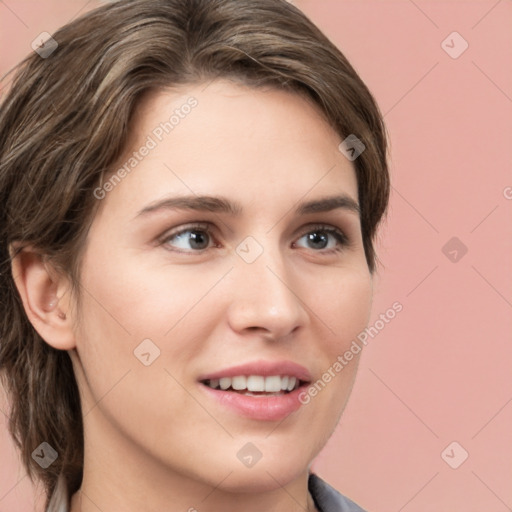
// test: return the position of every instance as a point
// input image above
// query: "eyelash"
(341, 238)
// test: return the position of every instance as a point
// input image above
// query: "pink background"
(441, 370)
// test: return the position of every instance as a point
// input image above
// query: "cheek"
(128, 301)
(140, 297)
(343, 306)
(123, 306)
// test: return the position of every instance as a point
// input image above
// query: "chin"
(261, 477)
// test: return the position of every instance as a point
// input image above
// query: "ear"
(46, 297)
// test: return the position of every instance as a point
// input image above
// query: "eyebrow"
(217, 204)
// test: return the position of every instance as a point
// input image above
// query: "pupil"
(198, 240)
(317, 239)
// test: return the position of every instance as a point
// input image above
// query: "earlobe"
(45, 295)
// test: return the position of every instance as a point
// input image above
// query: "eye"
(198, 238)
(193, 238)
(323, 238)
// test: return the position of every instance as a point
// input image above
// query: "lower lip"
(264, 408)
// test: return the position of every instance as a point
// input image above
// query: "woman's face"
(252, 266)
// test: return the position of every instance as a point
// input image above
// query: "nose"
(266, 298)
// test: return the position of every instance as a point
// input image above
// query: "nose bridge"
(265, 297)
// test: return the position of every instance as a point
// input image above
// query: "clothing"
(326, 498)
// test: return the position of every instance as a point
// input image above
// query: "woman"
(192, 189)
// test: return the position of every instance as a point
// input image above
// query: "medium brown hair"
(66, 121)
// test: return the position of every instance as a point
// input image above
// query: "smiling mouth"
(256, 385)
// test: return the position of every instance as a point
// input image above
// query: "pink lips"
(263, 408)
(264, 368)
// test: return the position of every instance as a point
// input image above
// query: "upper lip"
(263, 368)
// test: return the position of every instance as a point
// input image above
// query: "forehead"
(233, 140)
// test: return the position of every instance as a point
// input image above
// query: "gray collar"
(328, 499)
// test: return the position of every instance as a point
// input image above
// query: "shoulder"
(328, 499)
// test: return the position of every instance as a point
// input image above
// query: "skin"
(153, 440)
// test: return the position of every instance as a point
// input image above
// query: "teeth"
(239, 382)
(225, 382)
(256, 383)
(291, 383)
(273, 384)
